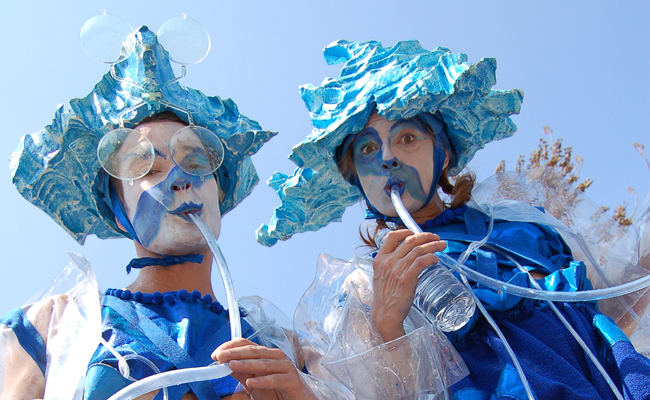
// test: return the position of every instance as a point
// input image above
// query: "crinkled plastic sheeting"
(341, 344)
(614, 254)
(72, 332)
(274, 329)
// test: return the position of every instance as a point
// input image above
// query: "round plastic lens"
(102, 37)
(125, 154)
(196, 150)
(186, 41)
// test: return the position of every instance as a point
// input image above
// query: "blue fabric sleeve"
(27, 336)
(634, 370)
(633, 367)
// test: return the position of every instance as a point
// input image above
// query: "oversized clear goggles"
(127, 154)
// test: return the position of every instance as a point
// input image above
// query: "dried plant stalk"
(559, 171)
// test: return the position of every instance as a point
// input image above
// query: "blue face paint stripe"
(148, 217)
(150, 212)
(411, 177)
(440, 143)
(439, 157)
(368, 164)
(159, 154)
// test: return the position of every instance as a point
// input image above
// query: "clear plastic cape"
(67, 315)
(614, 254)
(341, 344)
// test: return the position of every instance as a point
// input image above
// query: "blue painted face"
(388, 153)
(158, 203)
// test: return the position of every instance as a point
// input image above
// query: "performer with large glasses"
(145, 158)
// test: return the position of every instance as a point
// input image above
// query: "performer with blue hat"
(404, 121)
(142, 157)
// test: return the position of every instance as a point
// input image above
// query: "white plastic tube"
(233, 304)
(410, 223)
(504, 341)
(581, 296)
(439, 295)
(571, 330)
(171, 378)
(181, 376)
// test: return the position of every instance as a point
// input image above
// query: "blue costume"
(530, 326)
(50, 348)
(461, 111)
(172, 330)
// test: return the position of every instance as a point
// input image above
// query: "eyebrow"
(190, 147)
(138, 155)
(400, 123)
(132, 155)
(368, 131)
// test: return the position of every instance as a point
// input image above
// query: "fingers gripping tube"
(439, 295)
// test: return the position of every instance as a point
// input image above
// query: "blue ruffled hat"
(57, 169)
(397, 82)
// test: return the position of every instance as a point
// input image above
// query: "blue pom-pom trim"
(170, 298)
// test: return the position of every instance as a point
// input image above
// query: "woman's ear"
(446, 159)
(119, 225)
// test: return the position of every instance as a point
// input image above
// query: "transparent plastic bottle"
(442, 298)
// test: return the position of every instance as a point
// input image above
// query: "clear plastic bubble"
(186, 41)
(102, 37)
(196, 150)
(125, 154)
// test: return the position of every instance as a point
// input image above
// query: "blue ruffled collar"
(170, 298)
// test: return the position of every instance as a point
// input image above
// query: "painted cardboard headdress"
(57, 168)
(397, 82)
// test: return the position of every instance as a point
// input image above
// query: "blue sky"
(582, 66)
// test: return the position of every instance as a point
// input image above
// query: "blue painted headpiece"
(57, 169)
(397, 82)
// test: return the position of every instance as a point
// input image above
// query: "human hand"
(265, 374)
(400, 260)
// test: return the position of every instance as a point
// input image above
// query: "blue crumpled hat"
(57, 169)
(396, 82)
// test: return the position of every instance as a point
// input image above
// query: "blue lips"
(185, 208)
(392, 181)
